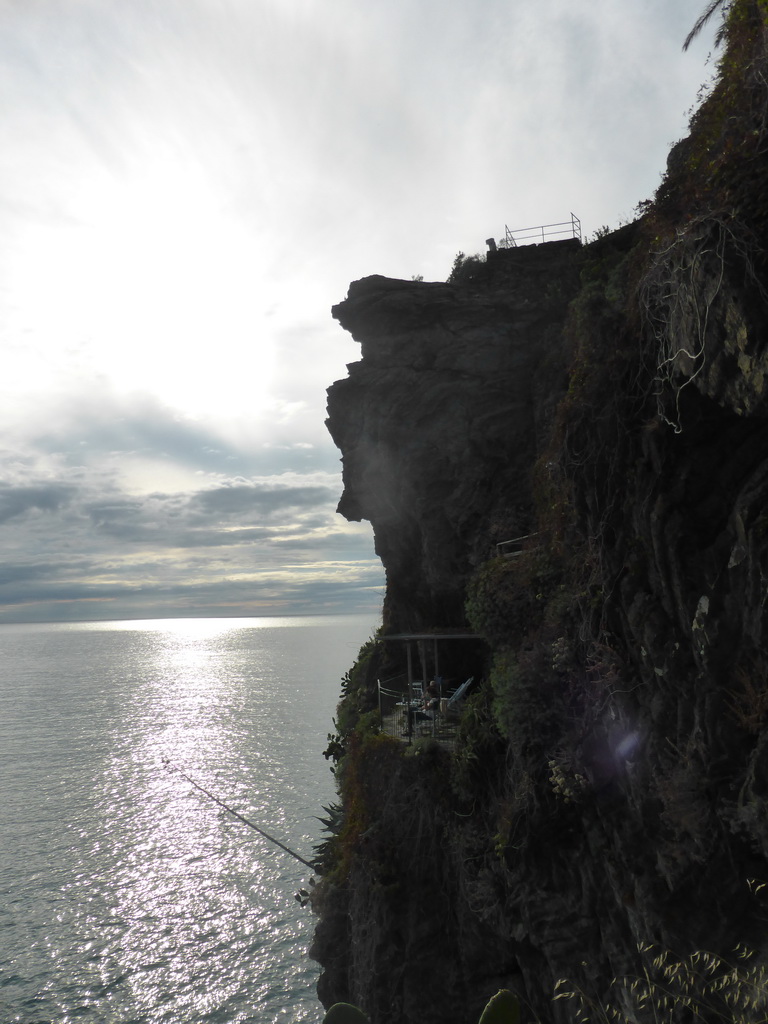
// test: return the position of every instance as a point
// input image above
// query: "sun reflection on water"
(136, 898)
(192, 884)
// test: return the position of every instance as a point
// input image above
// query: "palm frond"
(702, 20)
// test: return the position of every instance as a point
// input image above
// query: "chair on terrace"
(453, 706)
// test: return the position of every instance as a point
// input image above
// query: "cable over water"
(174, 768)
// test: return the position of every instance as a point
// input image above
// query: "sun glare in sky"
(146, 281)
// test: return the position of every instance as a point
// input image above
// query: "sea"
(127, 895)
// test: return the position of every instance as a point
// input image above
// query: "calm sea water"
(126, 895)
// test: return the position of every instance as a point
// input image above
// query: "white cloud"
(188, 186)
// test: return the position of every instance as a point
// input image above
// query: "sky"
(188, 186)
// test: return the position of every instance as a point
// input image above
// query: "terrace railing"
(514, 547)
(541, 233)
(402, 717)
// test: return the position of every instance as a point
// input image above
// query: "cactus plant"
(503, 1008)
(344, 1013)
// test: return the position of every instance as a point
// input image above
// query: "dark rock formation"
(609, 789)
(440, 421)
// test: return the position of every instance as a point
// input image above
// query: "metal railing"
(514, 547)
(541, 233)
(403, 717)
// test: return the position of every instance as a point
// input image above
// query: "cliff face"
(439, 422)
(609, 788)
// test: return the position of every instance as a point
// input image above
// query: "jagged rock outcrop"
(609, 788)
(440, 421)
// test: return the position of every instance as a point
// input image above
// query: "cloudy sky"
(187, 186)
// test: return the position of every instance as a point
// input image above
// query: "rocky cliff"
(607, 796)
(440, 420)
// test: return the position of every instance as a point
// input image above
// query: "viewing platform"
(565, 230)
(428, 706)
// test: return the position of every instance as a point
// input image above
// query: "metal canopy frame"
(421, 639)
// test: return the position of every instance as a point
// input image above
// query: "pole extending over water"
(174, 768)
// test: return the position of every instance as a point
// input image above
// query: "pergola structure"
(398, 710)
(425, 643)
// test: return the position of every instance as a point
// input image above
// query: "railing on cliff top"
(542, 233)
